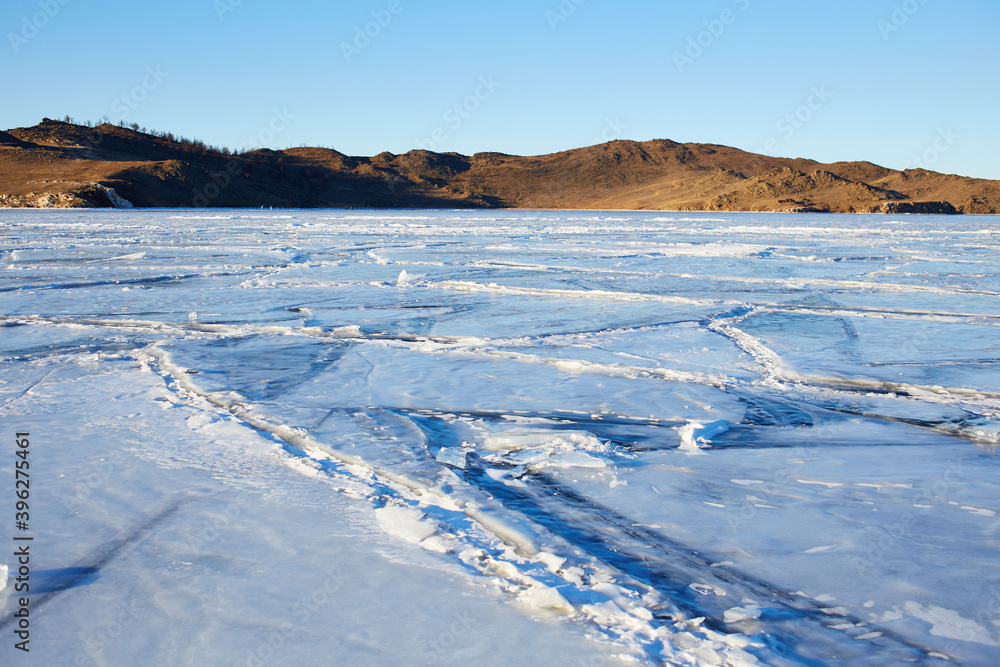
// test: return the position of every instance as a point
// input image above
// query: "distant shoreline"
(59, 164)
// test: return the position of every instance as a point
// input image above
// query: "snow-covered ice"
(451, 438)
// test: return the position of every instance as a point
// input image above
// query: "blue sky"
(897, 82)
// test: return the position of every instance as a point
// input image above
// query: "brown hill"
(62, 164)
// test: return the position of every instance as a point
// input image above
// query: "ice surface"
(578, 438)
(406, 522)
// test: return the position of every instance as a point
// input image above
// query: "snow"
(504, 437)
(405, 522)
(736, 614)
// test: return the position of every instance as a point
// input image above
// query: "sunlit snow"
(494, 438)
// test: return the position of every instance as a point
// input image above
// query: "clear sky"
(881, 80)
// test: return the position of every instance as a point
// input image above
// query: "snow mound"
(524, 438)
(694, 435)
(543, 597)
(539, 448)
(985, 430)
(405, 522)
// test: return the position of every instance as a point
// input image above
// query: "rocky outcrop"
(116, 200)
(924, 207)
(91, 195)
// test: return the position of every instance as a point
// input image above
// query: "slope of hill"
(56, 163)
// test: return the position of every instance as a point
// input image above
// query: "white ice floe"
(695, 436)
(524, 438)
(452, 456)
(540, 448)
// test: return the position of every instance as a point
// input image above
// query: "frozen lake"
(451, 438)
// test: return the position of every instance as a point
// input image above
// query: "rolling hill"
(61, 164)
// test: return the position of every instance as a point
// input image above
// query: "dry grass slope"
(57, 163)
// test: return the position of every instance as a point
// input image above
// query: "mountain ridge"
(62, 164)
